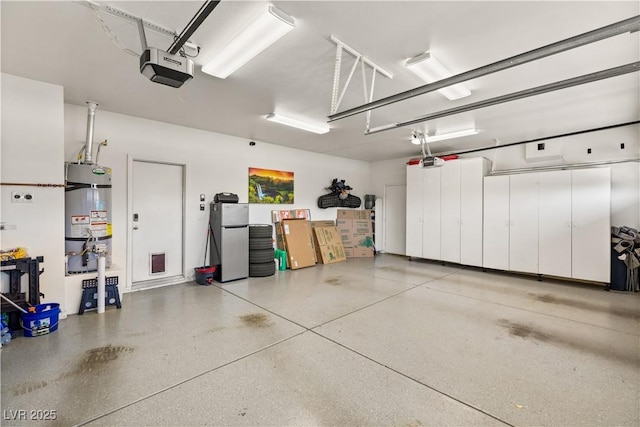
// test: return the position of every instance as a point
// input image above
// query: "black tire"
(261, 256)
(262, 270)
(260, 243)
(260, 230)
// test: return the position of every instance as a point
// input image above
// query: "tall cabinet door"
(523, 215)
(591, 210)
(554, 223)
(415, 185)
(495, 251)
(431, 213)
(450, 212)
(472, 172)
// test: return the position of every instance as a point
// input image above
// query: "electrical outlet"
(21, 197)
(16, 197)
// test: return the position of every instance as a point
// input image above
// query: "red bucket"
(204, 275)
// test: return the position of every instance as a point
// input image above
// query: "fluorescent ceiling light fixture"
(451, 135)
(309, 127)
(431, 70)
(259, 34)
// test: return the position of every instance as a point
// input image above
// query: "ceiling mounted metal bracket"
(626, 26)
(126, 16)
(538, 90)
(337, 95)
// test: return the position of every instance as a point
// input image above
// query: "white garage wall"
(32, 152)
(215, 163)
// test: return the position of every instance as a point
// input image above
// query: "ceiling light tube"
(431, 70)
(259, 34)
(309, 127)
(451, 135)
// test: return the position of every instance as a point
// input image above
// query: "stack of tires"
(261, 253)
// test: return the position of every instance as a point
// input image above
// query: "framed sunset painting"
(270, 186)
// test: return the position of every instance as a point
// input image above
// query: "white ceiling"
(65, 43)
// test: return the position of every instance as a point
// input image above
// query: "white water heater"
(87, 229)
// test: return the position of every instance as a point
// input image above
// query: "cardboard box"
(354, 214)
(325, 223)
(358, 252)
(357, 237)
(328, 245)
(355, 226)
(299, 243)
(329, 223)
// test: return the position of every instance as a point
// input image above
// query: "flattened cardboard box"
(328, 245)
(314, 224)
(277, 216)
(299, 241)
(354, 214)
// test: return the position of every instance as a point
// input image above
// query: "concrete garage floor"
(383, 341)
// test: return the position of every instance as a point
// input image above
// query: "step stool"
(89, 299)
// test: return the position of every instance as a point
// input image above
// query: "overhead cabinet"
(444, 211)
(552, 223)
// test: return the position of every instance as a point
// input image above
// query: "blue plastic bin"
(43, 321)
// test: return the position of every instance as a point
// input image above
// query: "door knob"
(135, 227)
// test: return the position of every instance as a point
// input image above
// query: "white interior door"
(495, 238)
(591, 210)
(523, 214)
(395, 215)
(157, 221)
(554, 251)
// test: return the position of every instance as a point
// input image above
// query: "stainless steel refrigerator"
(229, 240)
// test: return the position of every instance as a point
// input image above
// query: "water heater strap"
(84, 239)
(71, 186)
